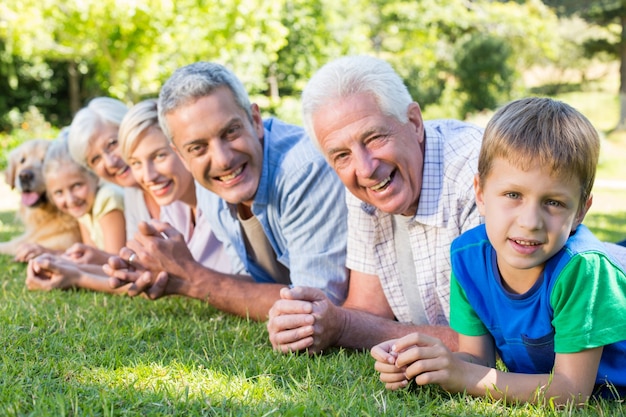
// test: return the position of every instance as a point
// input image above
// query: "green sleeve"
(589, 304)
(463, 318)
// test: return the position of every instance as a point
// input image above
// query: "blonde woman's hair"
(139, 118)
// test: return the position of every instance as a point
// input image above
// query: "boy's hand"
(427, 360)
(393, 376)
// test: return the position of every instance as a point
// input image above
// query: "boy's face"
(71, 190)
(529, 214)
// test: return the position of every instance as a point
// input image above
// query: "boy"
(532, 284)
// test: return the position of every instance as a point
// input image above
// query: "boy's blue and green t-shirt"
(578, 303)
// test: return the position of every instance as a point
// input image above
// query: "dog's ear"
(9, 172)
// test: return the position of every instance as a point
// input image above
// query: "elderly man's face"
(378, 159)
(219, 145)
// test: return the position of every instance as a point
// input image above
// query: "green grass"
(607, 215)
(79, 353)
(76, 353)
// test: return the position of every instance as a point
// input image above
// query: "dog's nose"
(26, 176)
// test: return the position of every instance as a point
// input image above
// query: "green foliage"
(127, 49)
(484, 72)
(25, 126)
(31, 83)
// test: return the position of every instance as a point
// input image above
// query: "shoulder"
(208, 201)
(176, 213)
(109, 197)
(454, 139)
(473, 238)
(583, 251)
(107, 191)
(471, 258)
(452, 131)
(288, 145)
(133, 195)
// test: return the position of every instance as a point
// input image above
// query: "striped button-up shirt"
(446, 209)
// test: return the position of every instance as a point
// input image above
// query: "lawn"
(78, 353)
(607, 216)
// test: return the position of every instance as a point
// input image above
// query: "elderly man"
(268, 194)
(411, 194)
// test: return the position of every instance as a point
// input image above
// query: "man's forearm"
(234, 294)
(363, 330)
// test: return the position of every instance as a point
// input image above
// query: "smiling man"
(411, 194)
(269, 196)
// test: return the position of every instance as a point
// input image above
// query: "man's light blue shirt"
(300, 204)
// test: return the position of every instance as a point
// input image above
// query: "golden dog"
(44, 224)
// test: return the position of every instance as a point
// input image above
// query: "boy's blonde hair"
(545, 131)
(139, 118)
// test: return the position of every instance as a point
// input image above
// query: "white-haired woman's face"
(104, 157)
(159, 170)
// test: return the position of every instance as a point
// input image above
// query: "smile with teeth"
(158, 187)
(526, 242)
(234, 174)
(381, 184)
(120, 172)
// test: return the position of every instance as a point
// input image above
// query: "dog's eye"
(22, 160)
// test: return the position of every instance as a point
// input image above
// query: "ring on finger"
(132, 258)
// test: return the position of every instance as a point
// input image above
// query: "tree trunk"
(621, 124)
(74, 87)
(272, 82)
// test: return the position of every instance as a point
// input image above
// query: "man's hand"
(304, 318)
(160, 247)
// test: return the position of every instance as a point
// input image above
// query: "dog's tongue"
(28, 199)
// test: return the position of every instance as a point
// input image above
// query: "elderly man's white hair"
(347, 76)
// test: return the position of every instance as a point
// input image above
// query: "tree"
(130, 48)
(484, 72)
(607, 13)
